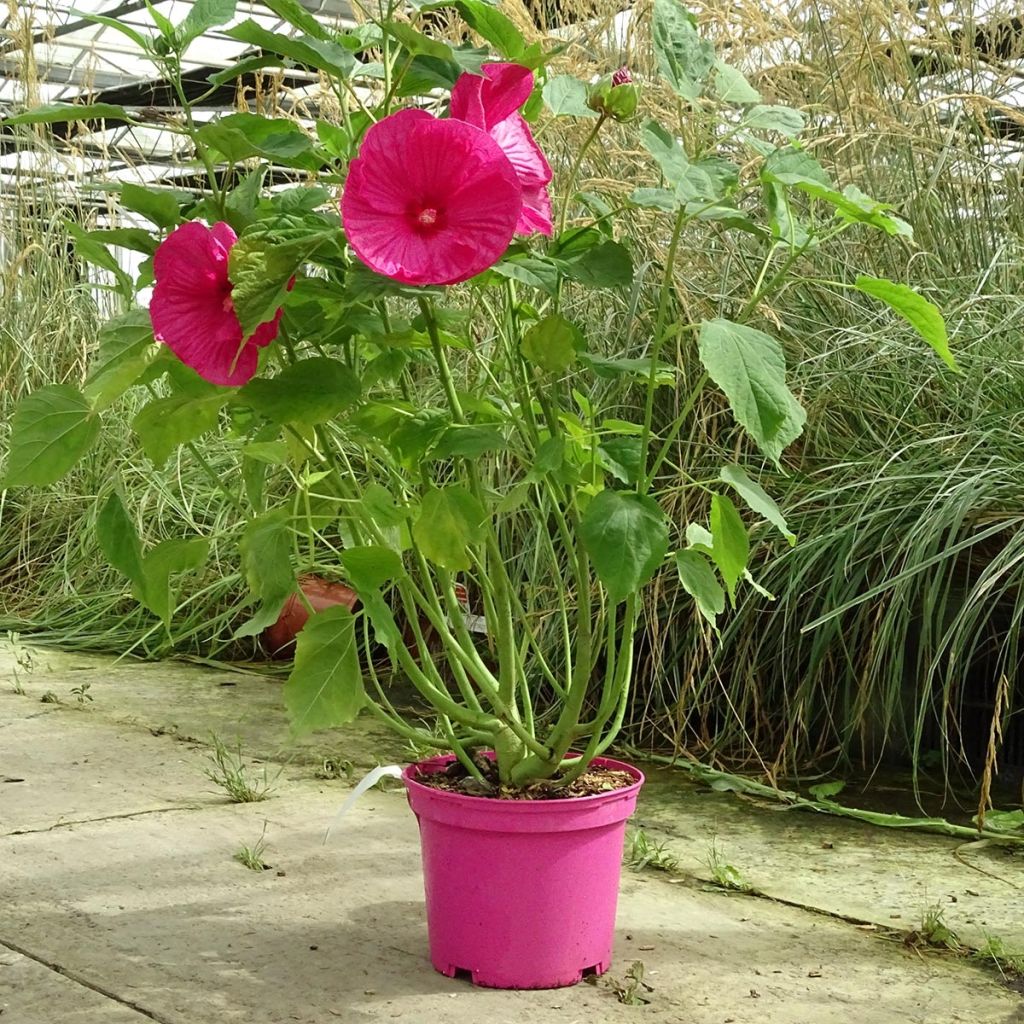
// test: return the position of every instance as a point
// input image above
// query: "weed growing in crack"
(244, 784)
(643, 852)
(994, 953)
(81, 694)
(934, 931)
(334, 768)
(252, 856)
(723, 873)
(49, 698)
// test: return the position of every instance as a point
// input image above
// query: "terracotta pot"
(279, 639)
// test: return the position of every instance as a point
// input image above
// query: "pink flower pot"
(520, 893)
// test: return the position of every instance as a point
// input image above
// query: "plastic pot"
(520, 893)
(279, 639)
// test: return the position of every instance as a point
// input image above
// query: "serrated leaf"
(325, 688)
(750, 367)
(312, 52)
(266, 548)
(51, 429)
(608, 265)
(54, 113)
(772, 118)
(308, 392)
(156, 205)
(626, 536)
(924, 316)
(731, 85)
(126, 350)
(698, 578)
(370, 566)
(567, 97)
(684, 59)
(758, 500)
(164, 424)
(450, 521)
(730, 544)
(552, 343)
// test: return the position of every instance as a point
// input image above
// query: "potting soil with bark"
(455, 779)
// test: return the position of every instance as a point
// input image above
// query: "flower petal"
(487, 99)
(410, 162)
(536, 213)
(515, 138)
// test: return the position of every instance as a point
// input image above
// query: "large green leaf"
(552, 343)
(750, 367)
(924, 316)
(757, 499)
(50, 431)
(295, 14)
(498, 29)
(52, 113)
(699, 580)
(730, 545)
(325, 688)
(266, 548)
(204, 15)
(731, 85)
(322, 54)
(243, 135)
(608, 265)
(157, 205)
(164, 424)
(310, 391)
(168, 558)
(450, 521)
(626, 536)
(125, 352)
(567, 96)
(683, 57)
(120, 543)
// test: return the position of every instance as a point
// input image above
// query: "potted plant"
(420, 370)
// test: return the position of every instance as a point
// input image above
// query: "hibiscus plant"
(452, 444)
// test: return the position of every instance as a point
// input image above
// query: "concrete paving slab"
(117, 867)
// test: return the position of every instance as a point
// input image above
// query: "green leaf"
(730, 545)
(750, 367)
(371, 566)
(260, 273)
(826, 790)
(164, 424)
(126, 350)
(608, 265)
(204, 15)
(310, 391)
(322, 54)
(684, 59)
(626, 536)
(51, 429)
(791, 166)
(567, 97)
(53, 113)
(731, 85)
(771, 118)
(552, 344)
(924, 316)
(698, 538)
(655, 199)
(667, 150)
(535, 272)
(622, 457)
(266, 549)
(325, 688)
(468, 442)
(417, 43)
(449, 522)
(168, 558)
(757, 499)
(240, 136)
(699, 580)
(156, 205)
(664, 376)
(489, 23)
(295, 14)
(119, 542)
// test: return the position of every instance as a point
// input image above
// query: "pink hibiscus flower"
(429, 201)
(491, 101)
(191, 307)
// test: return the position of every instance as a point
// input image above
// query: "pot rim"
(442, 760)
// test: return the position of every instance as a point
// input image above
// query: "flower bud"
(614, 95)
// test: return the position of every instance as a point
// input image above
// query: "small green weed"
(934, 931)
(49, 698)
(1009, 964)
(81, 693)
(252, 856)
(244, 784)
(643, 852)
(632, 990)
(335, 768)
(723, 873)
